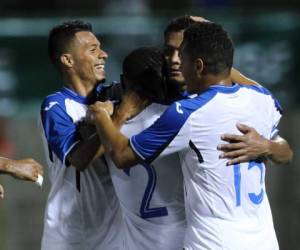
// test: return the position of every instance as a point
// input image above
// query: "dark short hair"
(179, 24)
(61, 36)
(210, 42)
(145, 69)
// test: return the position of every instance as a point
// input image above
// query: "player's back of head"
(61, 36)
(210, 42)
(144, 71)
(179, 24)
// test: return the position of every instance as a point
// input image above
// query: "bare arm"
(238, 77)
(114, 142)
(91, 148)
(25, 169)
(84, 152)
(251, 145)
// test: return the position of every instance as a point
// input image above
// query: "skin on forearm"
(24, 169)
(5, 166)
(237, 77)
(114, 142)
(84, 152)
(91, 148)
(251, 145)
(279, 151)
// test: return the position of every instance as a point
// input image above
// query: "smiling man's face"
(89, 58)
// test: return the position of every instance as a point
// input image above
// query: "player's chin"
(100, 77)
(177, 80)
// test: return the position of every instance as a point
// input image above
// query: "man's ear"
(199, 66)
(67, 60)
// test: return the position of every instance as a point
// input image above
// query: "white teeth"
(100, 66)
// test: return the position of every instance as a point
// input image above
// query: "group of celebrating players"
(172, 157)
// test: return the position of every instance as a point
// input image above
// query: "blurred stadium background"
(266, 35)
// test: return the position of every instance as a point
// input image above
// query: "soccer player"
(151, 195)
(240, 148)
(226, 207)
(82, 208)
(25, 169)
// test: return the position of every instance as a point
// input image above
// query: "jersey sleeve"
(170, 133)
(59, 129)
(276, 116)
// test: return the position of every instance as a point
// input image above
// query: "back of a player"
(227, 206)
(151, 196)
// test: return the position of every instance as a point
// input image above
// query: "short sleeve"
(276, 116)
(59, 129)
(170, 133)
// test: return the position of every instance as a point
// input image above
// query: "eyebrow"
(95, 45)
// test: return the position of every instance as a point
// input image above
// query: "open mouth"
(100, 66)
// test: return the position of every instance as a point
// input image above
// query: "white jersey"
(226, 206)
(151, 196)
(82, 210)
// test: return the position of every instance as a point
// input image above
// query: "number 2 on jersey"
(145, 210)
(254, 198)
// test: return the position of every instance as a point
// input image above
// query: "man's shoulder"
(258, 89)
(56, 99)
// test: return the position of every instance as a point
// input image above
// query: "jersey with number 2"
(151, 195)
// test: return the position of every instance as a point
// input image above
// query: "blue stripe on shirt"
(152, 141)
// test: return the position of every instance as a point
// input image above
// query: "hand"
(98, 108)
(130, 106)
(1, 192)
(243, 148)
(25, 169)
(85, 129)
(199, 19)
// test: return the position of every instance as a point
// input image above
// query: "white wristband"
(39, 180)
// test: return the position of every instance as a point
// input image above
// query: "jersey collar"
(75, 96)
(226, 89)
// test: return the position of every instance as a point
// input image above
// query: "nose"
(103, 54)
(175, 59)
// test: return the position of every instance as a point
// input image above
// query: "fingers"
(199, 19)
(237, 160)
(230, 146)
(232, 138)
(107, 106)
(40, 169)
(243, 128)
(37, 168)
(234, 154)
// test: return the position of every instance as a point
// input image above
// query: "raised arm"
(238, 77)
(114, 142)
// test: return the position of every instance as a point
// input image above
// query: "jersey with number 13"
(226, 206)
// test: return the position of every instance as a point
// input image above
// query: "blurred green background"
(266, 36)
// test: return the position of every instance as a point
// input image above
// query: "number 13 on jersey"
(239, 182)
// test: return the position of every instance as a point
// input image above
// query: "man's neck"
(210, 80)
(132, 104)
(83, 88)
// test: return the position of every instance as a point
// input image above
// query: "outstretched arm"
(25, 169)
(250, 146)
